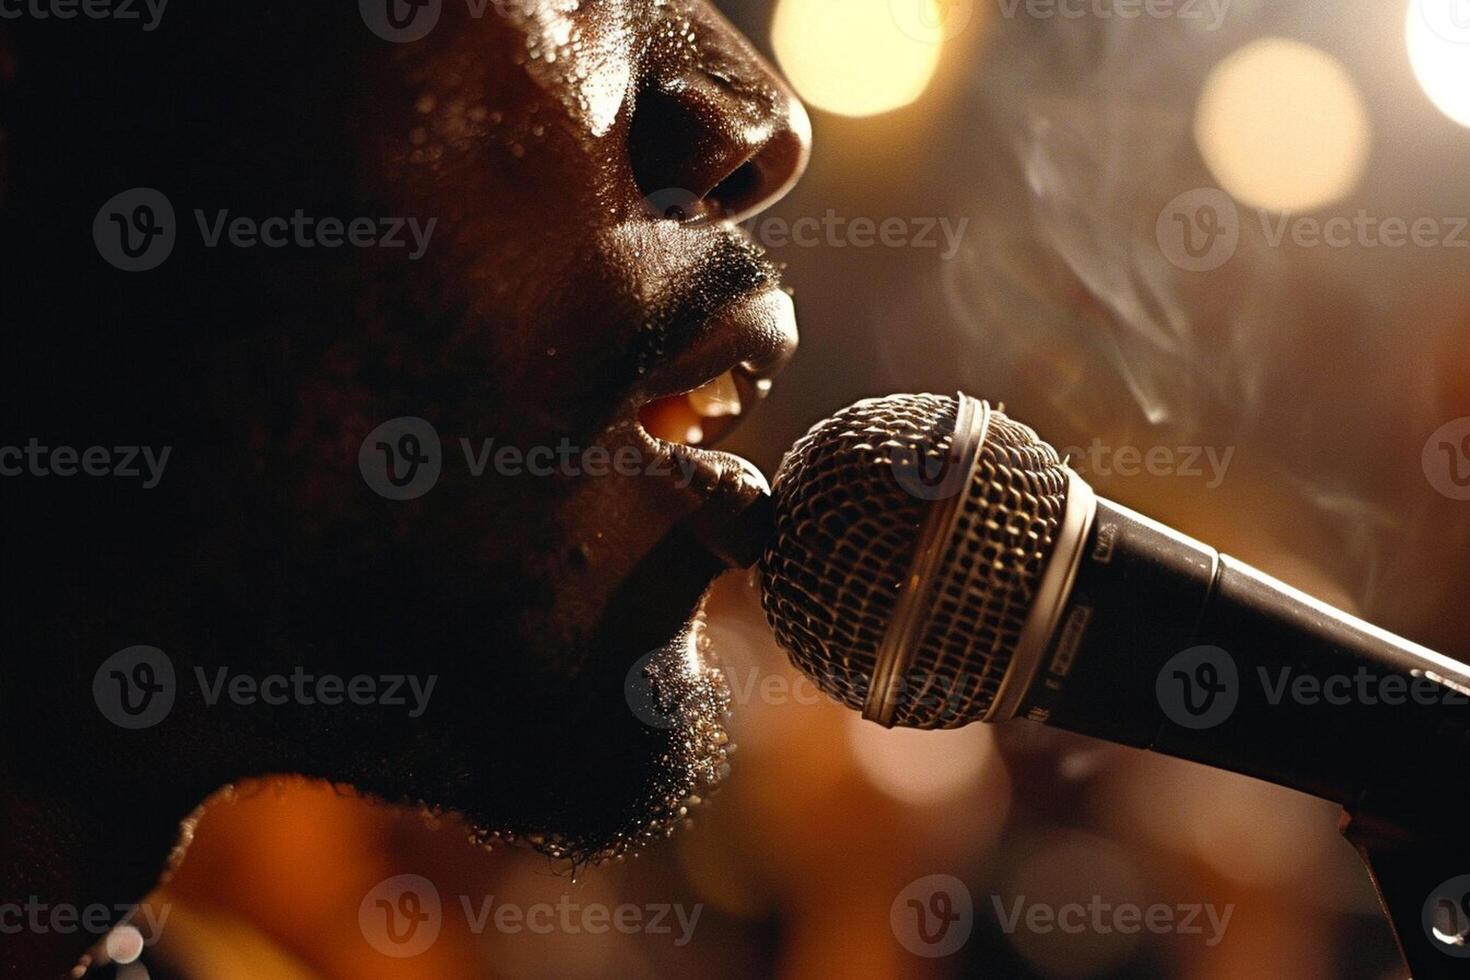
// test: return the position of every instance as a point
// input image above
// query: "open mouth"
(699, 418)
(698, 397)
(763, 332)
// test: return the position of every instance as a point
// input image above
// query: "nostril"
(668, 148)
(738, 191)
(698, 150)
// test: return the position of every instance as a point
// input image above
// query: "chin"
(597, 768)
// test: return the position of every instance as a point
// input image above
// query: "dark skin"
(552, 305)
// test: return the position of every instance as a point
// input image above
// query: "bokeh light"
(1439, 49)
(853, 58)
(1073, 868)
(1282, 126)
(920, 767)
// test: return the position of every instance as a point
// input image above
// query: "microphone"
(934, 563)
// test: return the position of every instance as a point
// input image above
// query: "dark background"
(1324, 372)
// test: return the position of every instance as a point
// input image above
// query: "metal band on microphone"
(905, 630)
(1051, 597)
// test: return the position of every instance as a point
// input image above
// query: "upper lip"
(736, 318)
(751, 338)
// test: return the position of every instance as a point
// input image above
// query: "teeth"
(700, 417)
(717, 398)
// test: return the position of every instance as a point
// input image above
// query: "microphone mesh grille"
(848, 526)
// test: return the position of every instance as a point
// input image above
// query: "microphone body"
(1165, 644)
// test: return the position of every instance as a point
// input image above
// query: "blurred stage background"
(1102, 286)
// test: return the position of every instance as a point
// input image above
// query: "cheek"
(524, 168)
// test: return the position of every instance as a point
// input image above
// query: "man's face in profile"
(563, 178)
(584, 162)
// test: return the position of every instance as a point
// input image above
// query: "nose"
(718, 134)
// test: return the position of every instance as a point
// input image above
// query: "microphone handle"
(1294, 691)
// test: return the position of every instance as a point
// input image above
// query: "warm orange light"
(1438, 36)
(1282, 126)
(857, 57)
(920, 767)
